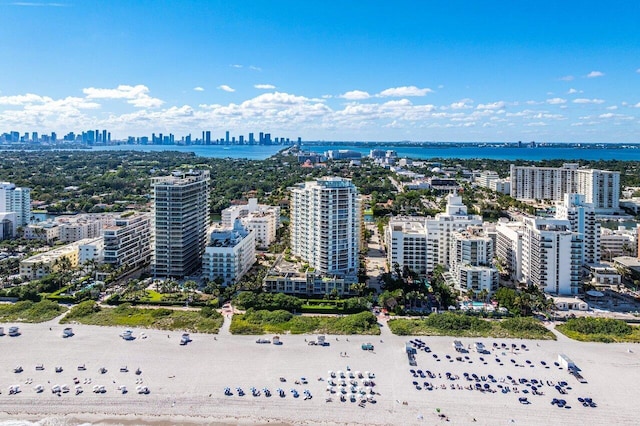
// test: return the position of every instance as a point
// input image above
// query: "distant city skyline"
(374, 71)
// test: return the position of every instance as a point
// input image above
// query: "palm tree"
(359, 288)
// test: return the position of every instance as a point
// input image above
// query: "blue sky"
(333, 70)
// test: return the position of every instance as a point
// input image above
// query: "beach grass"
(605, 330)
(457, 325)
(205, 320)
(32, 312)
(283, 322)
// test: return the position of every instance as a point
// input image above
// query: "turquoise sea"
(495, 152)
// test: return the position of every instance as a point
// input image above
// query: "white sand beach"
(186, 383)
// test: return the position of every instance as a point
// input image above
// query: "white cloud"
(264, 86)
(612, 107)
(26, 99)
(607, 115)
(254, 68)
(638, 70)
(226, 88)
(637, 105)
(594, 74)
(588, 101)
(493, 105)
(198, 89)
(567, 78)
(355, 95)
(462, 104)
(556, 101)
(572, 91)
(135, 95)
(398, 92)
(235, 66)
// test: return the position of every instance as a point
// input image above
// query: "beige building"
(43, 264)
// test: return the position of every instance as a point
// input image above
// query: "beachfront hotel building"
(582, 217)
(552, 256)
(180, 220)
(470, 266)
(17, 200)
(509, 238)
(325, 225)
(421, 243)
(262, 219)
(406, 238)
(601, 188)
(230, 253)
(127, 242)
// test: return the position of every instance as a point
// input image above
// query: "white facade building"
(552, 256)
(128, 240)
(263, 220)
(582, 217)
(180, 220)
(600, 188)
(17, 200)
(91, 249)
(421, 243)
(230, 254)
(82, 226)
(618, 242)
(46, 231)
(470, 265)
(440, 228)
(406, 239)
(509, 237)
(325, 225)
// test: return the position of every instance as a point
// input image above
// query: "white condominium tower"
(601, 188)
(325, 225)
(582, 217)
(552, 255)
(180, 222)
(470, 258)
(17, 200)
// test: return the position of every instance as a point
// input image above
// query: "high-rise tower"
(180, 222)
(325, 225)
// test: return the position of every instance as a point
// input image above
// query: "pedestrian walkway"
(224, 330)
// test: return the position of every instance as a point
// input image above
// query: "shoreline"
(186, 382)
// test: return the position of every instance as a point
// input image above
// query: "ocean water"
(587, 153)
(260, 152)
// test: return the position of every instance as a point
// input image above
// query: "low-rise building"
(296, 280)
(48, 231)
(40, 265)
(229, 254)
(618, 242)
